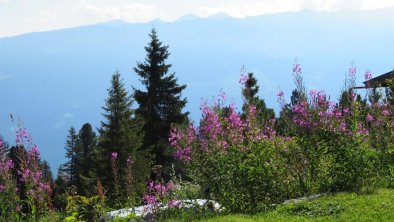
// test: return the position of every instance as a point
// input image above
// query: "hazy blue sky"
(21, 16)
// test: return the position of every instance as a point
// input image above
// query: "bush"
(235, 162)
(24, 195)
(247, 167)
(81, 208)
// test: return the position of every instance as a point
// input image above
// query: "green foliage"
(184, 190)
(248, 181)
(81, 208)
(129, 218)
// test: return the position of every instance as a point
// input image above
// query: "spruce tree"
(284, 124)
(120, 132)
(72, 166)
(46, 171)
(161, 104)
(250, 94)
(59, 194)
(87, 142)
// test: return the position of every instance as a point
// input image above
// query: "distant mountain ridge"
(57, 79)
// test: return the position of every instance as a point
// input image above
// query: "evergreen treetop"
(72, 154)
(250, 94)
(161, 104)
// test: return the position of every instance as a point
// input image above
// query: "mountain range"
(56, 79)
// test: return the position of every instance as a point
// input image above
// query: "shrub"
(345, 146)
(81, 208)
(24, 193)
(237, 163)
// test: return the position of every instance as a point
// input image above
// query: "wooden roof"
(379, 81)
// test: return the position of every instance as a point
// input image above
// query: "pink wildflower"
(368, 75)
(369, 118)
(352, 71)
(174, 203)
(280, 94)
(114, 155)
(243, 79)
(385, 112)
(150, 199)
(129, 161)
(296, 68)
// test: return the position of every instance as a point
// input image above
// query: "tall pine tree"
(161, 104)
(72, 166)
(87, 142)
(120, 132)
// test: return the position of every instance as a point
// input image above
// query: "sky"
(23, 16)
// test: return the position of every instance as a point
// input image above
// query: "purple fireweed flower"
(343, 127)
(129, 161)
(175, 137)
(18, 208)
(385, 112)
(43, 186)
(191, 134)
(352, 71)
(243, 79)
(235, 120)
(280, 98)
(222, 95)
(369, 118)
(34, 153)
(8, 164)
(280, 94)
(114, 155)
(252, 110)
(211, 126)
(151, 186)
(174, 203)
(169, 185)
(22, 136)
(150, 199)
(2, 188)
(296, 68)
(183, 154)
(321, 97)
(362, 130)
(313, 93)
(368, 75)
(25, 174)
(160, 189)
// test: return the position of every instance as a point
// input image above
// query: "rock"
(147, 210)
